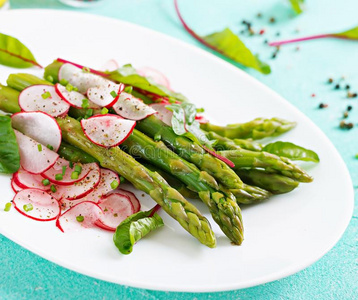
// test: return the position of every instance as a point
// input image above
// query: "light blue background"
(295, 75)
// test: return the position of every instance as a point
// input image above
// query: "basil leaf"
(190, 112)
(135, 227)
(9, 150)
(178, 118)
(291, 151)
(348, 34)
(297, 5)
(129, 76)
(15, 54)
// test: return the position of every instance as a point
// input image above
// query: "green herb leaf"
(351, 34)
(178, 119)
(9, 150)
(135, 227)
(297, 5)
(15, 54)
(291, 151)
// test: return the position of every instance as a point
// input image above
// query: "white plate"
(282, 236)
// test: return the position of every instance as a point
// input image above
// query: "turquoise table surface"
(296, 75)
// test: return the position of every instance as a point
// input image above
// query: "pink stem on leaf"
(154, 210)
(218, 156)
(81, 67)
(313, 37)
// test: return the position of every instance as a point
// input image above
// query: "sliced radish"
(82, 188)
(40, 126)
(201, 119)
(79, 78)
(163, 114)
(14, 186)
(81, 67)
(73, 98)
(34, 157)
(106, 94)
(116, 208)
(132, 197)
(44, 207)
(43, 98)
(154, 75)
(64, 165)
(132, 108)
(107, 130)
(27, 180)
(71, 219)
(110, 66)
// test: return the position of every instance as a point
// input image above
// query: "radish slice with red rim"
(154, 75)
(62, 167)
(34, 157)
(132, 108)
(162, 114)
(107, 130)
(132, 197)
(110, 66)
(40, 126)
(73, 98)
(27, 180)
(14, 186)
(80, 78)
(43, 98)
(37, 205)
(116, 208)
(82, 215)
(105, 95)
(81, 188)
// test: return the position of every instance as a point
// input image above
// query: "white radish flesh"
(14, 186)
(154, 75)
(132, 108)
(107, 130)
(27, 180)
(106, 94)
(110, 66)
(132, 197)
(40, 126)
(163, 114)
(34, 157)
(43, 98)
(37, 205)
(73, 98)
(82, 215)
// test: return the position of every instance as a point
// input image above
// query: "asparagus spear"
(275, 183)
(150, 182)
(256, 129)
(224, 143)
(6, 96)
(269, 162)
(74, 154)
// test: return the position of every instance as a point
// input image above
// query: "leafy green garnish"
(15, 54)
(9, 150)
(297, 5)
(291, 151)
(135, 227)
(129, 76)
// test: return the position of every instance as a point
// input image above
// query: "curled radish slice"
(132, 108)
(132, 197)
(116, 208)
(14, 186)
(82, 215)
(154, 75)
(79, 78)
(81, 188)
(27, 180)
(162, 114)
(65, 174)
(37, 205)
(34, 157)
(43, 98)
(107, 130)
(110, 66)
(73, 98)
(40, 126)
(106, 94)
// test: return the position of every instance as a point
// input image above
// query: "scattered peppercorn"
(345, 115)
(344, 125)
(297, 48)
(337, 86)
(330, 80)
(351, 95)
(322, 105)
(259, 15)
(313, 95)
(349, 108)
(265, 41)
(262, 31)
(272, 20)
(348, 87)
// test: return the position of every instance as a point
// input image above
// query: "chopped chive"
(114, 94)
(78, 169)
(39, 147)
(46, 95)
(157, 137)
(69, 87)
(89, 113)
(86, 69)
(64, 170)
(80, 218)
(58, 176)
(45, 182)
(7, 206)
(114, 184)
(49, 147)
(75, 89)
(71, 164)
(200, 110)
(85, 103)
(74, 175)
(53, 189)
(64, 82)
(122, 179)
(28, 207)
(49, 78)
(128, 89)
(104, 111)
